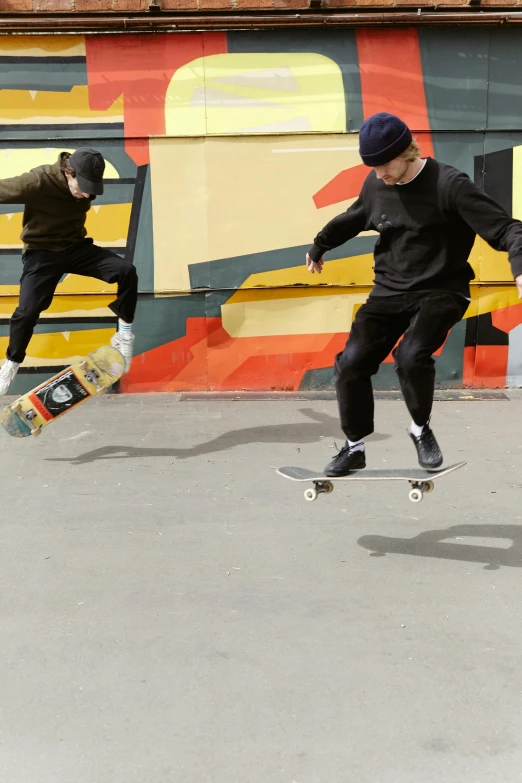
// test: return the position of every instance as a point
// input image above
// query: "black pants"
(424, 320)
(42, 272)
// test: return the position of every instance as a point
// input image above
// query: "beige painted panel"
(226, 197)
(320, 314)
(179, 196)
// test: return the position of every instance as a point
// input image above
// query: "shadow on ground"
(320, 427)
(435, 543)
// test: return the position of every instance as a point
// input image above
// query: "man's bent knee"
(352, 363)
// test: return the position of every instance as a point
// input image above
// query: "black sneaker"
(345, 462)
(428, 451)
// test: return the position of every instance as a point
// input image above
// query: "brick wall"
(157, 6)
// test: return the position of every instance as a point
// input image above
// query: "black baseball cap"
(89, 166)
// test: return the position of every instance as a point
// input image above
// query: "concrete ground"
(172, 611)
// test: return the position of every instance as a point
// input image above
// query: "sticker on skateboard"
(420, 480)
(33, 411)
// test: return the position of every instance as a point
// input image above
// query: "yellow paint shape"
(492, 298)
(107, 225)
(42, 45)
(70, 306)
(319, 314)
(239, 196)
(353, 271)
(494, 266)
(256, 93)
(49, 107)
(17, 160)
(55, 348)
(269, 312)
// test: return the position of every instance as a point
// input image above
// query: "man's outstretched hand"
(317, 266)
(518, 281)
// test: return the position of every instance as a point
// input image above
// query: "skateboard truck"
(92, 376)
(320, 488)
(27, 417)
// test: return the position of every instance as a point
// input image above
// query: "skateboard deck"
(420, 480)
(33, 411)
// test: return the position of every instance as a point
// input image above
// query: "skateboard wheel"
(310, 494)
(428, 486)
(16, 407)
(36, 432)
(83, 365)
(415, 495)
(328, 486)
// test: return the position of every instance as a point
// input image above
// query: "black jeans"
(42, 272)
(424, 320)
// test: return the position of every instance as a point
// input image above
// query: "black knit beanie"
(382, 138)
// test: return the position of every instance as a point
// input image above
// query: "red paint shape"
(491, 366)
(468, 366)
(347, 184)
(507, 318)
(385, 86)
(141, 68)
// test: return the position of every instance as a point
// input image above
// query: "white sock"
(356, 445)
(416, 430)
(123, 326)
(10, 363)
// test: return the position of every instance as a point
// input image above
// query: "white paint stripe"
(319, 149)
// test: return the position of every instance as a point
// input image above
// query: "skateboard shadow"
(434, 543)
(320, 427)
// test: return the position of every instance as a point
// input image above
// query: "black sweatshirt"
(427, 228)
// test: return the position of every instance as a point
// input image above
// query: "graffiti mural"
(226, 153)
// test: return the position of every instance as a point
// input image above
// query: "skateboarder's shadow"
(455, 543)
(322, 426)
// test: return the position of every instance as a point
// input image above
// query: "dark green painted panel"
(58, 74)
(232, 272)
(505, 76)
(459, 149)
(144, 250)
(49, 133)
(455, 69)
(161, 320)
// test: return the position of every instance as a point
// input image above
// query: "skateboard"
(420, 480)
(33, 411)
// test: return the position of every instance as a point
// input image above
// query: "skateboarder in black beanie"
(427, 214)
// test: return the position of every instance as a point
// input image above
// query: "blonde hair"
(411, 153)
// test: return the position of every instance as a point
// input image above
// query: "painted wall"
(226, 154)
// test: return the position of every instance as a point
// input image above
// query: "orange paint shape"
(347, 184)
(208, 358)
(506, 318)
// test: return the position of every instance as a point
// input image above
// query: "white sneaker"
(7, 374)
(124, 342)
